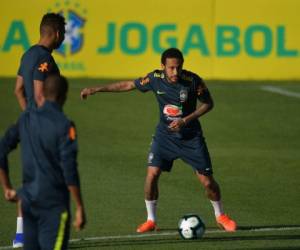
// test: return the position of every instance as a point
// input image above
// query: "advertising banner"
(232, 39)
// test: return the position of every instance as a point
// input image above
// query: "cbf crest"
(183, 95)
(74, 36)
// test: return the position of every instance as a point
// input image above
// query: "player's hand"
(10, 195)
(80, 219)
(176, 125)
(86, 92)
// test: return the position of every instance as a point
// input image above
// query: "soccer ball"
(190, 227)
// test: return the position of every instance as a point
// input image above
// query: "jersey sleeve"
(8, 143)
(68, 154)
(43, 67)
(144, 84)
(202, 91)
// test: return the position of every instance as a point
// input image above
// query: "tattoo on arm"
(121, 86)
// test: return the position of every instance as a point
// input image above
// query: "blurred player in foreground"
(178, 134)
(36, 64)
(49, 170)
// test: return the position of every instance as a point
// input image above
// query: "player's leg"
(30, 224)
(211, 187)
(18, 241)
(213, 193)
(151, 197)
(160, 159)
(195, 153)
(151, 191)
(151, 183)
(54, 228)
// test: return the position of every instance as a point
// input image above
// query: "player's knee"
(153, 173)
(209, 183)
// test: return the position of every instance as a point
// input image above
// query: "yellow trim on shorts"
(61, 231)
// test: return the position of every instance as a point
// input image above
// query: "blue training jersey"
(36, 64)
(49, 155)
(175, 100)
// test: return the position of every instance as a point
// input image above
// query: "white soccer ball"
(190, 226)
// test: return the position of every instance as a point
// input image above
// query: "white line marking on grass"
(159, 234)
(281, 91)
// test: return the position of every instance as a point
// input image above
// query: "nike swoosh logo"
(160, 92)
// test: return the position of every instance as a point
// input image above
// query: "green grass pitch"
(254, 141)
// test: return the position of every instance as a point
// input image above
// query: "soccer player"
(178, 133)
(49, 168)
(36, 64)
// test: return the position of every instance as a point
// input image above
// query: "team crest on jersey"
(145, 81)
(183, 95)
(43, 67)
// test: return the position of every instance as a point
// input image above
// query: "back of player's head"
(52, 22)
(56, 88)
(171, 53)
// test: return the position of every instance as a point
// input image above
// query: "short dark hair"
(171, 53)
(54, 21)
(56, 86)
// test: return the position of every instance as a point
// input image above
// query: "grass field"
(254, 139)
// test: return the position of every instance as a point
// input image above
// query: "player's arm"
(205, 106)
(80, 218)
(41, 70)
(68, 157)
(38, 92)
(20, 92)
(7, 144)
(10, 194)
(121, 86)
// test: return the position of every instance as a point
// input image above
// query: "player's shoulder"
(64, 120)
(65, 127)
(38, 50)
(70, 129)
(155, 74)
(190, 76)
(36, 53)
(152, 77)
(65, 124)
(158, 74)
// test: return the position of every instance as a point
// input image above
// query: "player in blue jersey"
(49, 170)
(178, 133)
(36, 64)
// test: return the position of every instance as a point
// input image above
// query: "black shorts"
(165, 148)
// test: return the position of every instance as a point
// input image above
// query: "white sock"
(218, 208)
(19, 225)
(151, 209)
